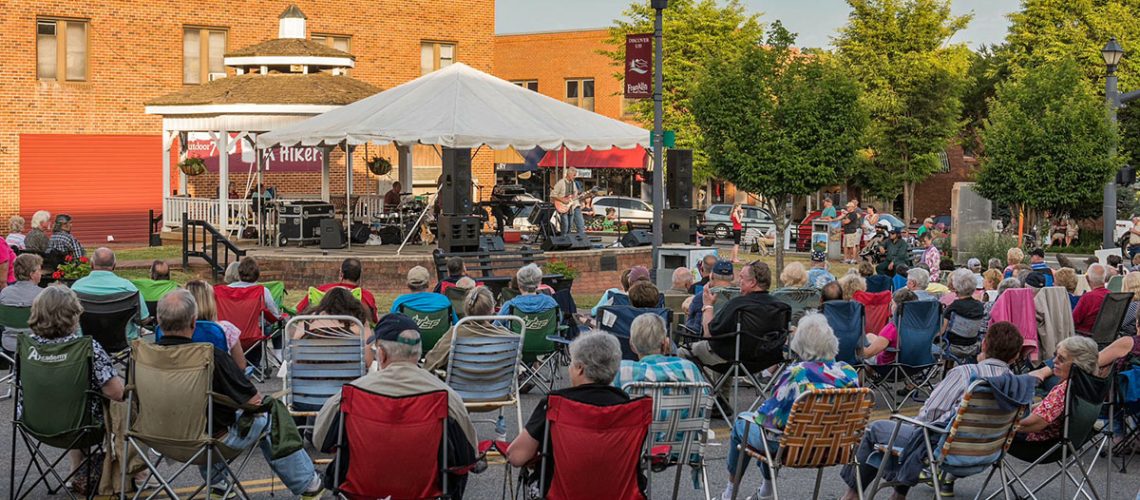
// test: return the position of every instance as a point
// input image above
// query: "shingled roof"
(274, 88)
(289, 47)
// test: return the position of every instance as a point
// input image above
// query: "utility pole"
(658, 135)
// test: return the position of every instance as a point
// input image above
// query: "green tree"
(912, 81)
(779, 124)
(989, 66)
(1045, 142)
(695, 30)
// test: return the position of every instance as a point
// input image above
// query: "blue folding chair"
(846, 319)
(918, 323)
(616, 320)
(322, 360)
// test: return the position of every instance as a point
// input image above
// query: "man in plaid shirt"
(647, 338)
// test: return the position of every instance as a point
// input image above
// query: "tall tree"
(695, 31)
(912, 80)
(989, 66)
(1045, 142)
(779, 124)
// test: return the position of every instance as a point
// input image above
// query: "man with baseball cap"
(720, 282)
(419, 298)
(895, 252)
(818, 275)
(398, 353)
(1037, 263)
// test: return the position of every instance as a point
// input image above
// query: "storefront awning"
(612, 158)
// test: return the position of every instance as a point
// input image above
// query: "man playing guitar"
(568, 200)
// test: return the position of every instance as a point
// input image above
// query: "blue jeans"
(573, 218)
(754, 441)
(295, 470)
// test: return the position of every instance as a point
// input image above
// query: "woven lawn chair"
(170, 409)
(847, 320)
(976, 439)
(14, 321)
(321, 361)
(54, 384)
(823, 429)
(433, 324)
(1109, 318)
(108, 318)
(541, 346)
(680, 428)
(915, 366)
(801, 299)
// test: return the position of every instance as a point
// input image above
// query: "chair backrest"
(1110, 317)
(243, 307)
(15, 319)
(617, 320)
(204, 331)
(171, 389)
(106, 318)
(801, 300)
(484, 369)
(681, 412)
(825, 426)
(408, 428)
(619, 299)
(539, 326)
(876, 309)
(276, 290)
(322, 360)
(433, 325)
(55, 386)
(674, 301)
(1115, 283)
(1084, 399)
(584, 439)
(456, 296)
(980, 432)
(846, 319)
(918, 322)
(964, 329)
(154, 290)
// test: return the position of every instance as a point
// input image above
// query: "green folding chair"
(277, 290)
(456, 296)
(433, 324)
(154, 290)
(15, 322)
(53, 386)
(539, 345)
(1115, 283)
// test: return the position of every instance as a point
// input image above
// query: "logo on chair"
(34, 355)
(537, 323)
(425, 322)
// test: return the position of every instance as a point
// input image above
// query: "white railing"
(207, 209)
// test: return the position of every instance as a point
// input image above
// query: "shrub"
(988, 245)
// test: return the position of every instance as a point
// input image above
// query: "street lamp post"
(658, 139)
(1112, 53)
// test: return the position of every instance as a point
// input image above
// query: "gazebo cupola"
(290, 52)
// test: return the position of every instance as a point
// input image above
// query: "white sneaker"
(728, 491)
(765, 491)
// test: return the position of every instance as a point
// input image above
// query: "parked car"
(628, 209)
(803, 241)
(718, 222)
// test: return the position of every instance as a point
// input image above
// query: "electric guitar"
(568, 203)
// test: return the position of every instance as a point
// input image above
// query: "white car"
(628, 209)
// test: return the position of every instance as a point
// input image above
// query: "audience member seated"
(595, 359)
(350, 273)
(655, 359)
(248, 273)
(37, 239)
(918, 280)
(818, 275)
(682, 280)
(895, 252)
(159, 270)
(478, 302)
(62, 242)
(991, 279)
(794, 276)
(419, 298)
(628, 278)
(963, 318)
(1038, 431)
(1131, 285)
(231, 274)
(7, 266)
(103, 281)
(852, 283)
(1013, 258)
(875, 282)
(55, 320)
(643, 295)
(456, 269)
(1037, 263)
(1001, 347)
(705, 267)
(1087, 308)
(975, 267)
(529, 301)
(815, 344)
(720, 278)
(399, 353)
(15, 238)
(29, 270)
(207, 306)
(831, 291)
(1066, 277)
(1115, 266)
(1005, 284)
(899, 279)
(339, 301)
(882, 345)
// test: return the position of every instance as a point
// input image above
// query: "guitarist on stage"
(567, 201)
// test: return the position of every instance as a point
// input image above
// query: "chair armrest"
(226, 401)
(919, 423)
(558, 339)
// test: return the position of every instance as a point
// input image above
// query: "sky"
(816, 21)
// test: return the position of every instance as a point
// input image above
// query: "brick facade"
(932, 196)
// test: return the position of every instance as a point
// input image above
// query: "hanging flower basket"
(379, 166)
(193, 166)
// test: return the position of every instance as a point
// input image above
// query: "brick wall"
(932, 196)
(135, 54)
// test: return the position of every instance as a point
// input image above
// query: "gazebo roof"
(273, 88)
(289, 47)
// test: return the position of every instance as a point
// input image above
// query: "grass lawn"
(148, 253)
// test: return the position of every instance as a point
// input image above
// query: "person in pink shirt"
(889, 335)
(8, 261)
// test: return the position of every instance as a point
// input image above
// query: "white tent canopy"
(460, 107)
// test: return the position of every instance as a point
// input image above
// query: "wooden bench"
(495, 269)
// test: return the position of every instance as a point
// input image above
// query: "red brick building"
(74, 136)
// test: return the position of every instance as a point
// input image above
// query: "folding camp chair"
(170, 406)
(107, 319)
(540, 345)
(975, 440)
(152, 291)
(406, 426)
(802, 300)
(675, 302)
(1115, 283)
(14, 321)
(245, 308)
(876, 309)
(847, 320)
(277, 291)
(680, 428)
(961, 342)
(433, 324)
(918, 323)
(823, 429)
(53, 384)
(617, 320)
(1084, 400)
(322, 360)
(456, 296)
(1108, 320)
(1019, 306)
(1055, 317)
(584, 439)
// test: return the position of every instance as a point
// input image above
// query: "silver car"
(757, 221)
(628, 209)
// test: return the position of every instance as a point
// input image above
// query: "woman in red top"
(737, 228)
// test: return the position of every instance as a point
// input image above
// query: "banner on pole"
(639, 66)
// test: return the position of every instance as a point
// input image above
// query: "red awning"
(611, 158)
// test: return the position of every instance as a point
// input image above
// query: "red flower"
(57, 275)
(69, 258)
(84, 260)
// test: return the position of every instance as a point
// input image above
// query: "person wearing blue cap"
(818, 275)
(720, 280)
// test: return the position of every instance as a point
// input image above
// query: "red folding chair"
(603, 443)
(245, 307)
(876, 309)
(410, 466)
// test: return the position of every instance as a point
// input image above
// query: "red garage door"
(106, 182)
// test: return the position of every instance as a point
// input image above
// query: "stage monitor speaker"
(679, 178)
(679, 225)
(580, 242)
(332, 234)
(459, 233)
(491, 243)
(555, 242)
(360, 233)
(637, 238)
(456, 191)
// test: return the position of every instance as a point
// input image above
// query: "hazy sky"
(816, 21)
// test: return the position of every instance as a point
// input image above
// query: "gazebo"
(277, 83)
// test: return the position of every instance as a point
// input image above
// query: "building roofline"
(553, 32)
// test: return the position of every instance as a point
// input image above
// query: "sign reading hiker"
(638, 66)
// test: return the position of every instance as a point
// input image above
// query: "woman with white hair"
(964, 318)
(1042, 427)
(37, 239)
(529, 301)
(16, 235)
(814, 343)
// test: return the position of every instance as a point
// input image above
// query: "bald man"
(103, 281)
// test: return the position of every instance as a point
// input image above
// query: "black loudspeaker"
(637, 238)
(360, 233)
(580, 242)
(332, 234)
(456, 192)
(679, 178)
(390, 235)
(679, 225)
(459, 233)
(555, 242)
(491, 243)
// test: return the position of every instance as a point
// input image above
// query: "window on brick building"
(435, 56)
(203, 55)
(61, 50)
(527, 84)
(580, 92)
(944, 161)
(338, 42)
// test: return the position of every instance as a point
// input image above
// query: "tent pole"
(224, 180)
(260, 209)
(348, 149)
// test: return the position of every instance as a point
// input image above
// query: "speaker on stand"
(637, 238)
(458, 229)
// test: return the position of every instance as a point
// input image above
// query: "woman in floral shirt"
(814, 343)
(1042, 427)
